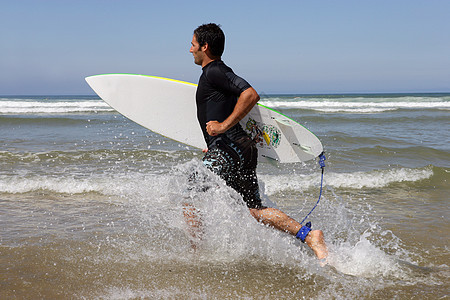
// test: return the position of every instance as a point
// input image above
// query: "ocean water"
(91, 205)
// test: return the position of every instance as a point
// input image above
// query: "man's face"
(196, 51)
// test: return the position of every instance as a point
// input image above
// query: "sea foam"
(11, 106)
(355, 105)
(273, 183)
(354, 180)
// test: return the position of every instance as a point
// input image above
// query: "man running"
(223, 99)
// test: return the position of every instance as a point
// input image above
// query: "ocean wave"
(378, 179)
(324, 103)
(354, 180)
(107, 185)
(355, 106)
(87, 157)
(355, 110)
(365, 98)
(20, 106)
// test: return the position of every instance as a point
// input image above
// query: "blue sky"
(48, 47)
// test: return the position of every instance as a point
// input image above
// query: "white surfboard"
(167, 106)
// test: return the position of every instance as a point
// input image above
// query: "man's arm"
(247, 99)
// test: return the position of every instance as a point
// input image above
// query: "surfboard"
(167, 107)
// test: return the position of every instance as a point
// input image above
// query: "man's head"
(211, 36)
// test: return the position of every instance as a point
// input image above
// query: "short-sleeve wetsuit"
(233, 154)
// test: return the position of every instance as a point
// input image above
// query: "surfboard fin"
(282, 122)
(306, 149)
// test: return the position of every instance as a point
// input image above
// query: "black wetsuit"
(233, 154)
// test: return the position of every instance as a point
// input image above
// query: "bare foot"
(316, 242)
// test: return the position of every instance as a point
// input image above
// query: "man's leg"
(245, 182)
(279, 220)
(193, 220)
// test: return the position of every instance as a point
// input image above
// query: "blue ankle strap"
(303, 232)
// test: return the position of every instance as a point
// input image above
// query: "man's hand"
(214, 128)
(247, 99)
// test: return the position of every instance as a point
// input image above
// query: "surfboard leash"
(322, 159)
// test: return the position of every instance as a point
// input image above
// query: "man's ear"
(205, 47)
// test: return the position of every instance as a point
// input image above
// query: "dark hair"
(212, 35)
